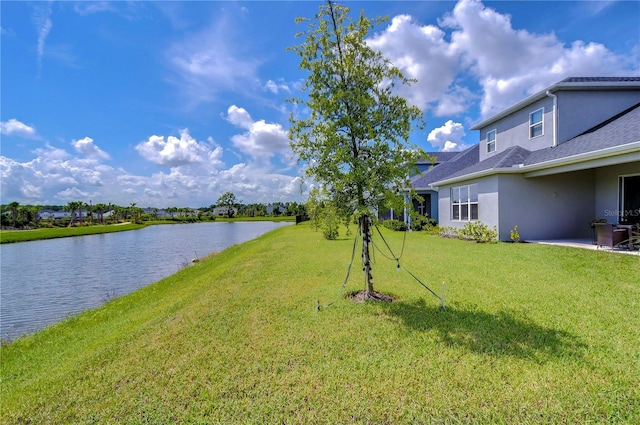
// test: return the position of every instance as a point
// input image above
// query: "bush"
(422, 222)
(448, 232)
(515, 234)
(479, 232)
(396, 225)
(472, 231)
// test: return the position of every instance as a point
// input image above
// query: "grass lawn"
(531, 334)
(10, 236)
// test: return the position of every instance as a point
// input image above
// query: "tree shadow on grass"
(500, 334)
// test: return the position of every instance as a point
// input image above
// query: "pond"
(43, 282)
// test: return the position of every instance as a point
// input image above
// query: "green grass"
(10, 236)
(531, 334)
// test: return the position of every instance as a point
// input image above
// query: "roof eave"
(569, 160)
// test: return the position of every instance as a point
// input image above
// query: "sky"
(174, 103)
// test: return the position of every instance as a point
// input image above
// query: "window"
(535, 123)
(491, 141)
(464, 203)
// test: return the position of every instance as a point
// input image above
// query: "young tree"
(355, 140)
(228, 200)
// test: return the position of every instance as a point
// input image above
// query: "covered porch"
(564, 204)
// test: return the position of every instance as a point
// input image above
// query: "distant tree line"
(79, 213)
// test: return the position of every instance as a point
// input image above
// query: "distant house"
(222, 211)
(549, 164)
(271, 208)
(55, 215)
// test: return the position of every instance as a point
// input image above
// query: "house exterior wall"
(513, 130)
(548, 207)
(488, 212)
(578, 111)
(606, 192)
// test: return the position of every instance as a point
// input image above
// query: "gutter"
(555, 117)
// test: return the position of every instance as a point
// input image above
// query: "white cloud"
(17, 128)
(262, 140)
(89, 149)
(511, 64)
(239, 117)
(252, 184)
(173, 151)
(42, 21)
(276, 87)
(449, 137)
(420, 52)
(454, 101)
(55, 176)
(73, 194)
(211, 62)
(90, 7)
(475, 44)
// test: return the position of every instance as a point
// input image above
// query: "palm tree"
(72, 207)
(13, 206)
(100, 209)
(27, 214)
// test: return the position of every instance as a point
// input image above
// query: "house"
(224, 211)
(550, 164)
(52, 214)
(444, 164)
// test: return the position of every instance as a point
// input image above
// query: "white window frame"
(491, 144)
(464, 203)
(533, 125)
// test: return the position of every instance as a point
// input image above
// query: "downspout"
(555, 119)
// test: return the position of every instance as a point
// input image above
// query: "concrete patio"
(584, 244)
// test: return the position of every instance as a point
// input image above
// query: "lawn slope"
(531, 334)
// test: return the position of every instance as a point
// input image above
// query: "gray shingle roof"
(598, 79)
(456, 161)
(618, 130)
(511, 156)
(440, 157)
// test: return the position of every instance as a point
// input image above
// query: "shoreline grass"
(531, 334)
(13, 236)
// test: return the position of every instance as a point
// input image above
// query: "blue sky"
(173, 103)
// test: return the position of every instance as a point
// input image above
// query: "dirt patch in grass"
(362, 296)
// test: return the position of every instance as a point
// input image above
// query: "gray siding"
(487, 203)
(549, 207)
(578, 111)
(514, 130)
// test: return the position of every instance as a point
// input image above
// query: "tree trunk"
(365, 229)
